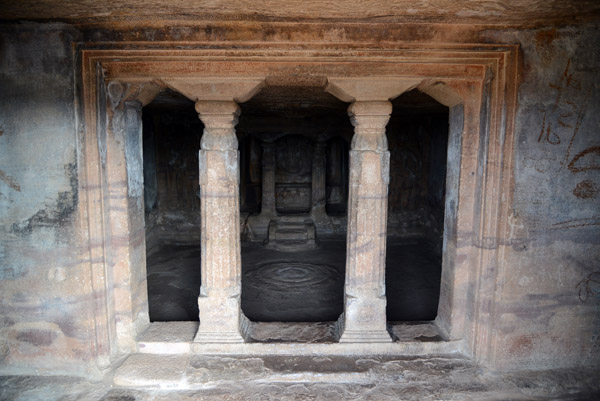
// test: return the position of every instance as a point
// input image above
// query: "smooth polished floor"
(305, 286)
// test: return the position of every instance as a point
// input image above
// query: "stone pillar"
(364, 317)
(221, 317)
(318, 181)
(219, 303)
(268, 180)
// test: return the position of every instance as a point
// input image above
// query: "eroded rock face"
(445, 11)
(340, 377)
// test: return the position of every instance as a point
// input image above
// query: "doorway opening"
(171, 139)
(417, 136)
(295, 142)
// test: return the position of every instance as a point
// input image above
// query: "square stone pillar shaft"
(318, 180)
(268, 180)
(364, 318)
(221, 318)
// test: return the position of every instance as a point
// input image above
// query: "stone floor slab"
(167, 338)
(154, 371)
(271, 378)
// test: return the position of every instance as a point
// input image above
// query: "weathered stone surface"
(167, 338)
(153, 371)
(47, 306)
(518, 283)
(495, 12)
(319, 378)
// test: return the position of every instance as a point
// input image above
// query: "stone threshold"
(171, 338)
(196, 372)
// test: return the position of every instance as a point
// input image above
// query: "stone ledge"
(184, 372)
(414, 339)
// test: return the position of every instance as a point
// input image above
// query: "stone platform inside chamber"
(294, 286)
(291, 234)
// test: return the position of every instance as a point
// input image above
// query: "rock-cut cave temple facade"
(372, 179)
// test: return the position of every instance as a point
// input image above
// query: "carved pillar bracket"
(221, 317)
(364, 318)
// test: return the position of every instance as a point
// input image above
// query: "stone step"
(294, 338)
(291, 234)
(186, 371)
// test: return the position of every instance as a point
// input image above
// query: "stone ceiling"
(486, 12)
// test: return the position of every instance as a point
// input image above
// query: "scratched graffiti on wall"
(561, 124)
(589, 287)
(563, 119)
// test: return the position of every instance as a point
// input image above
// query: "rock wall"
(548, 312)
(45, 297)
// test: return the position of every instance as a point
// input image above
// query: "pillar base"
(363, 336)
(364, 321)
(221, 320)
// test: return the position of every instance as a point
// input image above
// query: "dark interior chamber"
(417, 136)
(294, 147)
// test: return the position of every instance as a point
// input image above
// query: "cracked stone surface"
(307, 378)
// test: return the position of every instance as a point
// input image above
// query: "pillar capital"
(219, 119)
(369, 119)
(217, 107)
